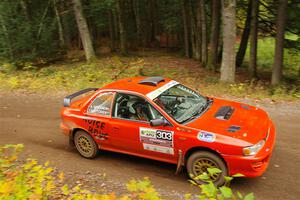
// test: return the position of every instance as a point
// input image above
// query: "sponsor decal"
(157, 137)
(102, 110)
(155, 93)
(159, 149)
(206, 136)
(96, 128)
(157, 140)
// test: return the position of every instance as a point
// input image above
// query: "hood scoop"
(233, 129)
(224, 113)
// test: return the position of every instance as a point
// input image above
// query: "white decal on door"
(157, 148)
(158, 138)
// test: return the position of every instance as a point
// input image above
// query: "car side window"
(133, 107)
(101, 104)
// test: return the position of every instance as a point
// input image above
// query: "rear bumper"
(66, 130)
(252, 166)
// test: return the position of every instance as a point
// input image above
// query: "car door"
(97, 116)
(132, 132)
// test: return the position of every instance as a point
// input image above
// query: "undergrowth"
(31, 180)
(76, 75)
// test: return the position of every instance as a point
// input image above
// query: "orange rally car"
(161, 119)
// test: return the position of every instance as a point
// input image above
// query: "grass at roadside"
(73, 75)
(265, 57)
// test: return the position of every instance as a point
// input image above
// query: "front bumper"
(252, 166)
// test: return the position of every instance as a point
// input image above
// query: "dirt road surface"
(34, 120)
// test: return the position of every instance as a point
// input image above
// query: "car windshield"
(181, 103)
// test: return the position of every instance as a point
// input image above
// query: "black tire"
(198, 163)
(85, 144)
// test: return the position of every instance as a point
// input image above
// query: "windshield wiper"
(200, 111)
(208, 103)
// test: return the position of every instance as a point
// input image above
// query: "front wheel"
(200, 161)
(85, 144)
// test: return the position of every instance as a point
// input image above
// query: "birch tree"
(229, 37)
(83, 31)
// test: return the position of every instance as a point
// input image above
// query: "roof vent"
(152, 81)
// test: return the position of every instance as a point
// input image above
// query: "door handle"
(115, 129)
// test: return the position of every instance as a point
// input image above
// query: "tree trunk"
(199, 31)
(116, 25)
(220, 52)
(153, 20)
(26, 11)
(8, 41)
(194, 34)
(203, 33)
(137, 17)
(42, 21)
(215, 34)
(90, 22)
(167, 40)
(83, 30)
(253, 40)
(123, 39)
(279, 45)
(245, 37)
(185, 15)
(59, 25)
(111, 30)
(66, 25)
(229, 37)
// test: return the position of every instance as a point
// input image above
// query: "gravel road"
(34, 120)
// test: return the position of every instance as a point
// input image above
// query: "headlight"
(252, 150)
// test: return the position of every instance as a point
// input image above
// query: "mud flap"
(179, 163)
(71, 141)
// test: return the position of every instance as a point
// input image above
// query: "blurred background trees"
(214, 32)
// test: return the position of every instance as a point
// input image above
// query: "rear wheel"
(200, 161)
(85, 144)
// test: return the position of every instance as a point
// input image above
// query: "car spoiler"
(68, 99)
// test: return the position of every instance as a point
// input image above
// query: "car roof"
(142, 84)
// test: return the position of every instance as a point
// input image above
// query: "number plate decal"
(154, 138)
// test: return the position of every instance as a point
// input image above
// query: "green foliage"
(26, 181)
(69, 77)
(8, 68)
(210, 191)
(142, 190)
(265, 56)
(31, 180)
(170, 19)
(27, 29)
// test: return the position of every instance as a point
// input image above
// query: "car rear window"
(101, 104)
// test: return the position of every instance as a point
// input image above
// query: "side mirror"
(158, 122)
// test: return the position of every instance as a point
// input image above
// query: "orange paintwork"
(121, 135)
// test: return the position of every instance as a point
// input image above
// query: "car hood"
(233, 119)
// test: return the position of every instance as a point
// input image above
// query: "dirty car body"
(161, 119)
